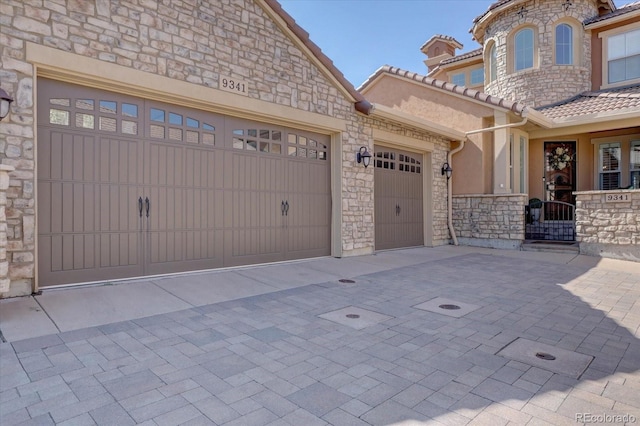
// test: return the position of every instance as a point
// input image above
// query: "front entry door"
(560, 171)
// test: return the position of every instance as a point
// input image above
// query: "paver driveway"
(280, 358)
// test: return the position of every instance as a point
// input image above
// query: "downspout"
(452, 231)
(450, 154)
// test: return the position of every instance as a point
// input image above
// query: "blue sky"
(360, 36)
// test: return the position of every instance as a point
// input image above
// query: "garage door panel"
(398, 199)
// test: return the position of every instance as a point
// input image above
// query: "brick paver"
(272, 360)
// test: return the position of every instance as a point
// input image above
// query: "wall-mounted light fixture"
(567, 5)
(5, 102)
(446, 170)
(363, 156)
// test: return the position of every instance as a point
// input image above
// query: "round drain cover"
(353, 316)
(449, 307)
(346, 281)
(545, 356)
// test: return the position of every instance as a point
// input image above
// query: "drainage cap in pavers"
(352, 316)
(449, 307)
(346, 281)
(545, 356)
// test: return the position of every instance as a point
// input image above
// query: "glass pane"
(493, 63)
(564, 44)
(276, 136)
(60, 101)
(130, 110)
(209, 127)
(264, 134)
(609, 157)
(238, 132)
(129, 127)
(193, 123)
(302, 152)
(635, 155)
(238, 143)
(302, 140)
(209, 139)
(157, 115)
(616, 46)
(252, 146)
(276, 148)
(609, 181)
(313, 143)
(312, 153)
(617, 70)
(157, 131)
(264, 147)
(524, 49)
(252, 133)
(175, 134)
(175, 119)
(633, 67)
(85, 121)
(322, 155)
(292, 138)
(108, 124)
(292, 151)
(58, 116)
(108, 107)
(458, 79)
(85, 104)
(633, 43)
(477, 76)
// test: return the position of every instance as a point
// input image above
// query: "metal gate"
(551, 221)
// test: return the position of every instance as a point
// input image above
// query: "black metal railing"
(551, 221)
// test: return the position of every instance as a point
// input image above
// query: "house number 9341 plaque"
(233, 85)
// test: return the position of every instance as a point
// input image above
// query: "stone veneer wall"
(609, 228)
(548, 83)
(190, 41)
(495, 221)
(4, 263)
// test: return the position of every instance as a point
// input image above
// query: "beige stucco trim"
(336, 195)
(383, 137)
(86, 71)
(384, 112)
(588, 124)
(614, 20)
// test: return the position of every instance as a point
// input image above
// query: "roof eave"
(613, 20)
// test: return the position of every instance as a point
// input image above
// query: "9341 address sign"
(233, 85)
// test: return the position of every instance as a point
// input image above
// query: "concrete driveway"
(448, 335)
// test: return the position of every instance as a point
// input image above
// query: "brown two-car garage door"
(130, 187)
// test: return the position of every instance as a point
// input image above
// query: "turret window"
(564, 44)
(523, 49)
(493, 63)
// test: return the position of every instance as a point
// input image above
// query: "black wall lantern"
(5, 102)
(446, 170)
(363, 156)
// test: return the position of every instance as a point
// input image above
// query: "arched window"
(523, 49)
(493, 63)
(564, 44)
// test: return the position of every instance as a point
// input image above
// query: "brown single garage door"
(130, 187)
(399, 220)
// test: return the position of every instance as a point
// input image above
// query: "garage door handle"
(282, 208)
(147, 204)
(397, 209)
(140, 205)
(286, 208)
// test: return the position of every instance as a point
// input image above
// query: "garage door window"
(408, 164)
(304, 147)
(385, 160)
(262, 140)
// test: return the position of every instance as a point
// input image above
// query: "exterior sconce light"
(567, 5)
(363, 156)
(446, 170)
(5, 102)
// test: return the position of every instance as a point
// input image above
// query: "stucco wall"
(495, 221)
(608, 223)
(546, 83)
(448, 110)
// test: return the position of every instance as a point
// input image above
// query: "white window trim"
(625, 142)
(604, 36)
(511, 50)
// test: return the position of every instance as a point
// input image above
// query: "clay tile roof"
(516, 107)
(462, 57)
(589, 103)
(605, 4)
(630, 7)
(450, 40)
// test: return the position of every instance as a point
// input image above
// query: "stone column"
(4, 264)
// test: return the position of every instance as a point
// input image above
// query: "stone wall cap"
(487, 195)
(6, 168)
(609, 191)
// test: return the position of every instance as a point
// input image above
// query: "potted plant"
(535, 205)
